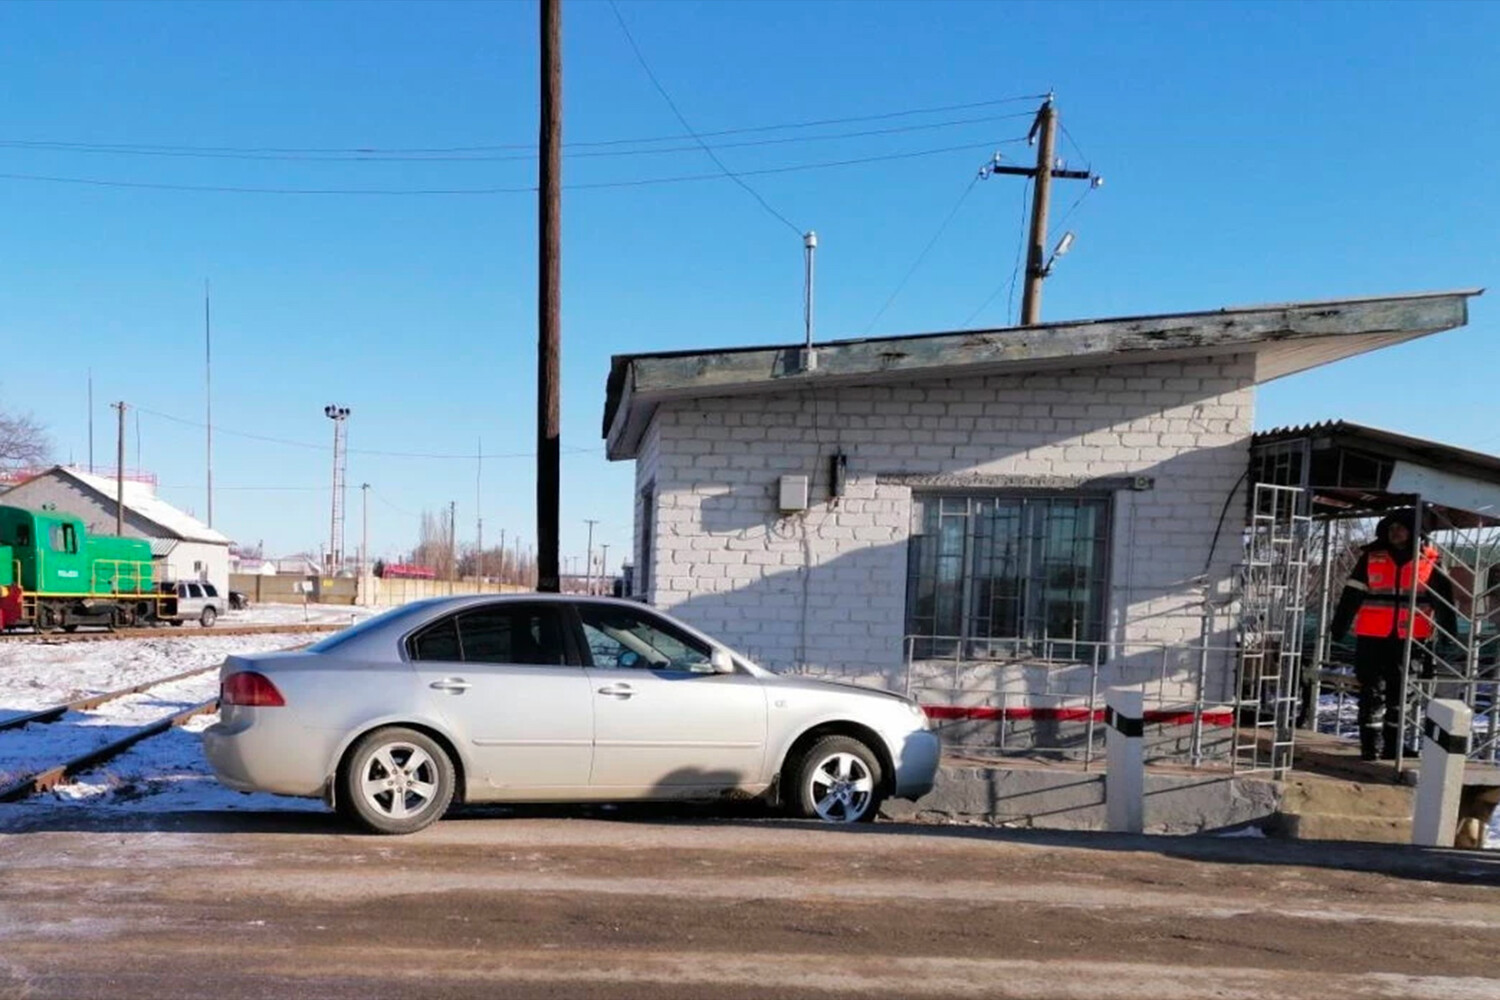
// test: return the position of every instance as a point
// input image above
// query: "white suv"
(198, 600)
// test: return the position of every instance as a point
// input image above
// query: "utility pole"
(338, 414)
(208, 399)
(1044, 134)
(549, 302)
(479, 517)
(500, 573)
(364, 531)
(604, 566)
(588, 565)
(91, 420)
(452, 540)
(120, 471)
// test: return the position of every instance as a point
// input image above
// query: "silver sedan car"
(545, 698)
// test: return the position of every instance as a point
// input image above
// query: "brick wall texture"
(824, 590)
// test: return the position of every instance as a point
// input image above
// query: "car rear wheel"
(396, 781)
(838, 781)
(208, 617)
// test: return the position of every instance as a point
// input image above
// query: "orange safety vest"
(1387, 605)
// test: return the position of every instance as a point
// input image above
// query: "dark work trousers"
(1378, 668)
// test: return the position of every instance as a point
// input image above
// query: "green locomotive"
(53, 575)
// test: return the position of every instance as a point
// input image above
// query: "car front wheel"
(838, 781)
(396, 781)
(208, 617)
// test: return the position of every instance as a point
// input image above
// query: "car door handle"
(621, 691)
(457, 685)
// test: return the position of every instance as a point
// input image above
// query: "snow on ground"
(297, 614)
(164, 773)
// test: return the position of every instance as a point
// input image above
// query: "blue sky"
(1252, 153)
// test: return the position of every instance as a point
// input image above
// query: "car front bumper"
(916, 760)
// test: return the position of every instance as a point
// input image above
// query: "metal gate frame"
(1272, 598)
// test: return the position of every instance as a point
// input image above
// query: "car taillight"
(250, 688)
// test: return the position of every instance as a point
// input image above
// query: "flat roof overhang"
(1284, 339)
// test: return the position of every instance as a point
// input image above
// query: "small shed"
(184, 547)
(965, 514)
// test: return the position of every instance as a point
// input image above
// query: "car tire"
(396, 780)
(838, 780)
(208, 617)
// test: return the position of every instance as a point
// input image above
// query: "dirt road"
(665, 908)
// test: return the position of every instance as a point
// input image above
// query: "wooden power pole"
(549, 304)
(1044, 133)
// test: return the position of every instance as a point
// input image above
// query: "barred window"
(992, 576)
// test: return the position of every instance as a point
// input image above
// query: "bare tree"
(23, 442)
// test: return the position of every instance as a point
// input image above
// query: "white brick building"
(999, 488)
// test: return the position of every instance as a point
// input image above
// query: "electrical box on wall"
(793, 494)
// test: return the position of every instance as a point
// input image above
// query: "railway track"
(169, 633)
(53, 775)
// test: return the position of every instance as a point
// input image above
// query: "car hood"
(816, 684)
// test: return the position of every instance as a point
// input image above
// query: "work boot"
(1368, 737)
(1390, 742)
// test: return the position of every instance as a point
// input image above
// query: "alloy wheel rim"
(399, 780)
(842, 788)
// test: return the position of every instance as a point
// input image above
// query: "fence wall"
(369, 591)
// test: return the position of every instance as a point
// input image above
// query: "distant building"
(183, 547)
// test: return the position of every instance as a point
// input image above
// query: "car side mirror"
(721, 661)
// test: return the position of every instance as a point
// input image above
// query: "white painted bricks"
(1444, 750)
(825, 590)
(1125, 779)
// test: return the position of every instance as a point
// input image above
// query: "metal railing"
(1045, 697)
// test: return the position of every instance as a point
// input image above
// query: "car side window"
(438, 641)
(194, 590)
(497, 634)
(624, 638)
(209, 591)
(512, 634)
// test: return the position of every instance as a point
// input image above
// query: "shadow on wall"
(846, 615)
(740, 508)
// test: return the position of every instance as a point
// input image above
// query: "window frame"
(1029, 636)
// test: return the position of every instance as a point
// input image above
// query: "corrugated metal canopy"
(1354, 469)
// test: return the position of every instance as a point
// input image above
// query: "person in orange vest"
(1377, 601)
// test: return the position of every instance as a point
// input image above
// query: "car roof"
(372, 638)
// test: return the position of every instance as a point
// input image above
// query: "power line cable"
(1074, 143)
(373, 157)
(399, 510)
(527, 189)
(1060, 223)
(683, 121)
(381, 150)
(353, 451)
(923, 255)
(1016, 270)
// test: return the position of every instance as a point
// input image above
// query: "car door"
(504, 678)
(664, 723)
